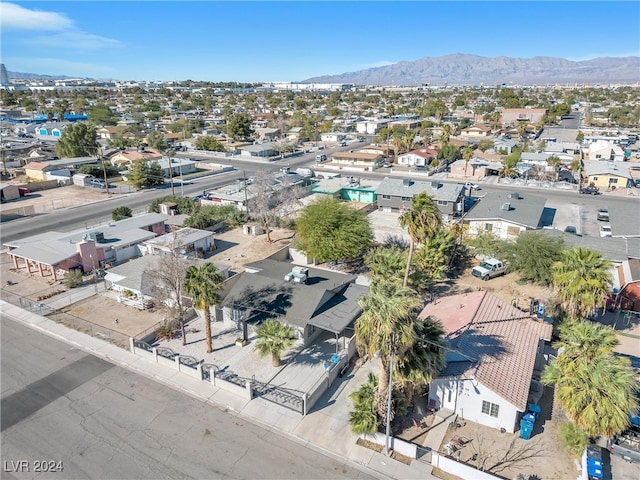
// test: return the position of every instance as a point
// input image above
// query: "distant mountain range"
(464, 69)
(36, 76)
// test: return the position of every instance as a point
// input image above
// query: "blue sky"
(292, 41)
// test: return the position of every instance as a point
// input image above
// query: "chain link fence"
(52, 311)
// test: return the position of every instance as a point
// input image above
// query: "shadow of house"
(495, 349)
(320, 300)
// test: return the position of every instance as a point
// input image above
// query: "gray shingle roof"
(525, 209)
(398, 187)
(612, 248)
(265, 294)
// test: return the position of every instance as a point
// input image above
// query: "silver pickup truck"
(626, 445)
(490, 268)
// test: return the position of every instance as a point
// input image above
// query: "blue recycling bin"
(526, 428)
(594, 471)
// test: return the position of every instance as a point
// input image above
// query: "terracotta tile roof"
(502, 339)
(36, 166)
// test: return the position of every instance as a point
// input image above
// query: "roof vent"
(506, 207)
(407, 182)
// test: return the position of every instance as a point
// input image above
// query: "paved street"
(101, 421)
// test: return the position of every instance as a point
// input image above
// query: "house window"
(613, 180)
(386, 197)
(449, 397)
(598, 156)
(406, 199)
(595, 179)
(442, 202)
(488, 227)
(490, 409)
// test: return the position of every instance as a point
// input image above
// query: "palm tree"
(273, 339)
(595, 388)
(363, 418)
(422, 221)
(581, 280)
(424, 359)
(202, 284)
(446, 134)
(467, 155)
(386, 325)
(386, 263)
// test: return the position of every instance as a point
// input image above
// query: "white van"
(321, 158)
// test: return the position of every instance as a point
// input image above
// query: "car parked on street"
(605, 231)
(97, 183)
(472, 186)
(603, 214)
(590, 190)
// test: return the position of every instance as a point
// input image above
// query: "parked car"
(603, 214)
(321, 158)
(97, 183)
(472, 186)
(490, 268)
(343, 143)
(590, 190)
(605, 231)
(571, 229)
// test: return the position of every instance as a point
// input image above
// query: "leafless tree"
(491, 457)
(274, 198)
(167, 286)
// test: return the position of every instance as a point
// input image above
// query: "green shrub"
(575, 439)
(73, 278)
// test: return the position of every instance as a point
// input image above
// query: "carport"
(341, 312)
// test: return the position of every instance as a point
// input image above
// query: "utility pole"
(246, 195)
(170, 173)
(387, 446)
(104, 170)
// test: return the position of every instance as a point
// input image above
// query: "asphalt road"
(84, 216)
(90, 419)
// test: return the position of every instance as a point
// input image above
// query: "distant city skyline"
(293, 41)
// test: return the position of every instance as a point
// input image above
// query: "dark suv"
(590, 190)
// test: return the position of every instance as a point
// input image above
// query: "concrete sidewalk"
(325, 429)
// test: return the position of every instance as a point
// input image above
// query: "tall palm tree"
(426, 357)
(446, 134)
(386, 263)
(274, 338)
(467, 155)
(422, 222)
(595, 388)
(386, 325)
(582, 281)
(203, 285)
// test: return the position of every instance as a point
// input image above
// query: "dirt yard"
(235, 248)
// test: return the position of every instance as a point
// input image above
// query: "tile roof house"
(325, 301)
(418, 157)
(495, 350)
(626, 283)
(506, 214)
(395, 194)
(38, 170)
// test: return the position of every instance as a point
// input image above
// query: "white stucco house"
(496, 352)
(606, 151)
(506, 214)
(418, 157)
